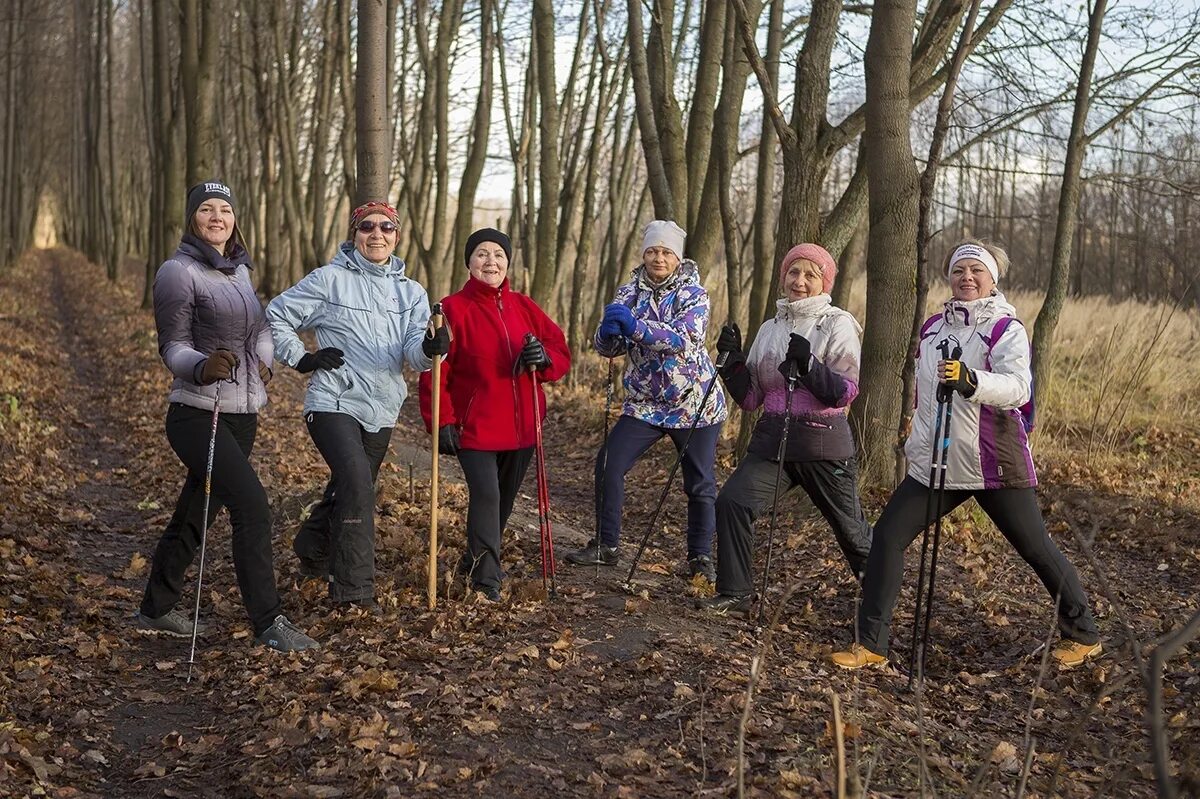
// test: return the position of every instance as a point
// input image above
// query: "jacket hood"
(350, 258)
(792, 311)
(966, 313)
(687, 274)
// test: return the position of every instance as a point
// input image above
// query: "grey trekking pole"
(608, 398)
(787, 418)
(212, 448)
(933, 517)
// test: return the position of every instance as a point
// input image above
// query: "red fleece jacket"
(492, 406)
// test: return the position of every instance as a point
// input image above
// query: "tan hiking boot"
(856, 657)
(1070, 654)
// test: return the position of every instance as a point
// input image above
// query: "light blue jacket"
(373, 314)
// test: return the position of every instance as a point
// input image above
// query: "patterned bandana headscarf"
(373, 207)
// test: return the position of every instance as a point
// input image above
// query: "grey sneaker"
(702, 564)
(174, 623)
(284, 636)
(592, 554)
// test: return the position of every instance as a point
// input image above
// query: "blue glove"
(609, 328)
(621, 316)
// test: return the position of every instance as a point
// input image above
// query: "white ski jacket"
(989, 447)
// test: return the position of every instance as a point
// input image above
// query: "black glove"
(533, 354)
(729, 343)
(328, 358)
(448, 440)
(221, 365)
(799, 352)
(956, 376)
(436, 342)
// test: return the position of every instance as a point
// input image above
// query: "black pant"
(234, 485)
(492, 482)
(831, 485)
(338, 538)
(1014, 511)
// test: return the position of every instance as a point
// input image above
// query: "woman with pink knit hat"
(817, 343)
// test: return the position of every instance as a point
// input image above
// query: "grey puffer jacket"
(204, 302)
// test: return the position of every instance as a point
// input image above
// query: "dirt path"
(600, 693)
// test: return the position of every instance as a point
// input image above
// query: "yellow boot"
(1070, 654)
(856, 657)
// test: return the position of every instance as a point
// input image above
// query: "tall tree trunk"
(661, 189)
(1068, 206)
(371, 103)
(891, 255)
(549, 173)
(480, 126)
(201, 36)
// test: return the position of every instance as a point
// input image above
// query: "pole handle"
(435, 320)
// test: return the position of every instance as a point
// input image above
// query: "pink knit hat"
(818, 255)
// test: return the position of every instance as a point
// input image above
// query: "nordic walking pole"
(933, 517)
(435, 319)
(212, 448)
(608, 396)
(547, 534)
(787, 419)
(670, 479)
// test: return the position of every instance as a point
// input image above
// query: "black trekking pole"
(933, 517)
(671, 478)
(608, 398)
(208, 470)
(787, 417)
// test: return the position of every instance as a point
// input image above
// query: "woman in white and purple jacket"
(820, 342)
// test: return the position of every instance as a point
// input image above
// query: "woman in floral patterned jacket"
(659, 319)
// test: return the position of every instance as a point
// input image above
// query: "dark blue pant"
(1016, 514)
(234, 486)
(627, 442)
(338, 538)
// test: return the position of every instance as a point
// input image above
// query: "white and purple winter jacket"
(204, 302)
(669, 366)
(989, 447)
(818, 429)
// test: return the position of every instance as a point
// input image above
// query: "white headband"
(973, 251)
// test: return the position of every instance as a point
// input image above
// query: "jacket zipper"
(508, 346)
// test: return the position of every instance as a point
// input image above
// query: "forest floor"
(599, 692)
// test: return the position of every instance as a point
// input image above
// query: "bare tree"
(372, 130)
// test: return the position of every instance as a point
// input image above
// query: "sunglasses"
(367, 226)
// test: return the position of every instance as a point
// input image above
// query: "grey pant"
(338, 538)
(831, 485)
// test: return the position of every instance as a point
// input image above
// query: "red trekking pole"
(547, 535)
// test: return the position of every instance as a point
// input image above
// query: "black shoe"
(368, 606)
(702, 564)
(490, 592)
(592, 554)
(283, 636)
(724, 605)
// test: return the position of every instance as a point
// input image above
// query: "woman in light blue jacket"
(370, 321)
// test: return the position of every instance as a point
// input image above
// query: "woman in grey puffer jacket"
(211, 328)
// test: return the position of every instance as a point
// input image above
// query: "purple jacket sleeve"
(174, 302)
(828, 386)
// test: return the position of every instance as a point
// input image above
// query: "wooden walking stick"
(436, 396)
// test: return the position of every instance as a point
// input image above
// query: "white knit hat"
(664, 233)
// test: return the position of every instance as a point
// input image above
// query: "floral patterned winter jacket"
(669, 367)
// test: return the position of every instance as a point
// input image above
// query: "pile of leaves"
(599, 691)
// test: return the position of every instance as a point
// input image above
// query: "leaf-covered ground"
(600, 692)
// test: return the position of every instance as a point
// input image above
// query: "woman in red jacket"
(500, 341)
